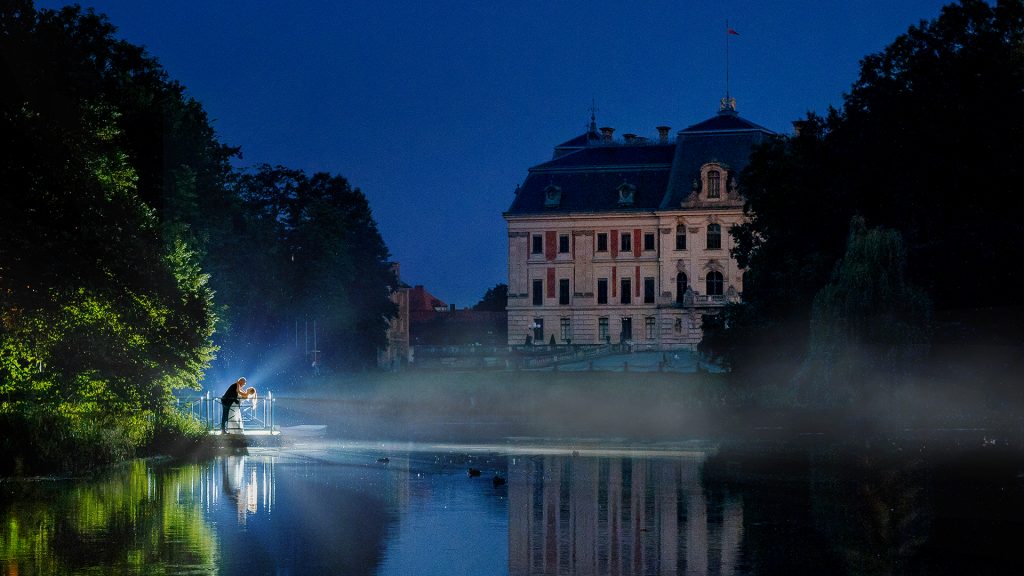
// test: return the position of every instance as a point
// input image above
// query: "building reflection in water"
(619, 516)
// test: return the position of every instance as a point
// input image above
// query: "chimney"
(451, 307)
(629, 138)
(663, 133)
(606, 134)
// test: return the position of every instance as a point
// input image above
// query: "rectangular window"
(714, 184)
(538, 330)
(602, 329)
(566, 330)
(627, 242)
(649, 290)
(602, 290)
(563, 244)
(602, 242)
(627, 329)
(648, 242)
(538, 292)
(538, 244)
(714, 237)
(649, 327)
(563, 291)
(625, 292)
(681, 238)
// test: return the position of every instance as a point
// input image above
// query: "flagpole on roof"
(728, 104)
(726, 59)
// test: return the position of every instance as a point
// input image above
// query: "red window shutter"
(551, 282)
(637, 240)
(614, 238)
(549, 245)
(637, 282)
(615, 282)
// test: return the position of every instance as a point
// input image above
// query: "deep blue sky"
(436, 109)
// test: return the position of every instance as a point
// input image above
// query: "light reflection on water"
(336, 509)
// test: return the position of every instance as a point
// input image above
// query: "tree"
(313, 253)
(927, 144)
(786, 182)
(930, 142)
(102, 314)
(868, 323)
(494, 300)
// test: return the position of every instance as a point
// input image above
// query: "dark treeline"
(132, 254)
(308, 250)
(894, 223)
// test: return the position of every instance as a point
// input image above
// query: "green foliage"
(868, 323)
(150, 521)
(102, 314)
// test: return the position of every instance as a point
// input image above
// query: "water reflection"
(619, 517)
(332, 510)
(133, 521)
(242, 486)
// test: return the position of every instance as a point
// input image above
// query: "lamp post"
(533, 329)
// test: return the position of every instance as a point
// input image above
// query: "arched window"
(714, 283)
(714, 237)
(681, 283)
(714, 184)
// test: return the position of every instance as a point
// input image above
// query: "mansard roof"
(606, 156)
(726, 139)
(586, 172)
(588, 180)
(725, 121)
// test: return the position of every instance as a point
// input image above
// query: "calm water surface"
(333, 508)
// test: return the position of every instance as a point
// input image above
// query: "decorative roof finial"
(593, 116)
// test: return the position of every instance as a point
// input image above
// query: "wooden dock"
(245, 438)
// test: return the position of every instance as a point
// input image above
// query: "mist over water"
(626, 473)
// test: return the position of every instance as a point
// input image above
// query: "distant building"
(434, 323)
(397, 353)
(627, 240)
(424, 306)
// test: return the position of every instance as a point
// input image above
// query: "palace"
(627, 240)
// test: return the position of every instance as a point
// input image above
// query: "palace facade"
(627, 240)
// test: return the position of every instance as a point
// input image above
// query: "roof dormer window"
(552, 195)
(712, 177)
(714, 184)
(627, 192)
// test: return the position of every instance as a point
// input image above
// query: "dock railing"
(257, 412)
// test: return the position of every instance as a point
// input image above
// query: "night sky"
(436, 109)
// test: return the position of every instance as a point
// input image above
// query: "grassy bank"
(47, 443)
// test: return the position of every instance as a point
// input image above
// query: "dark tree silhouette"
(313, 252)
(494, 300)
(928, 143)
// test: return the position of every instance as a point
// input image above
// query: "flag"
(731, 31)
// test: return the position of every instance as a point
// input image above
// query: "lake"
(578, 506)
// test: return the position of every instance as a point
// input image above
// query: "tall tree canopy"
(928, 143)
(103, 306)
(313, 253)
